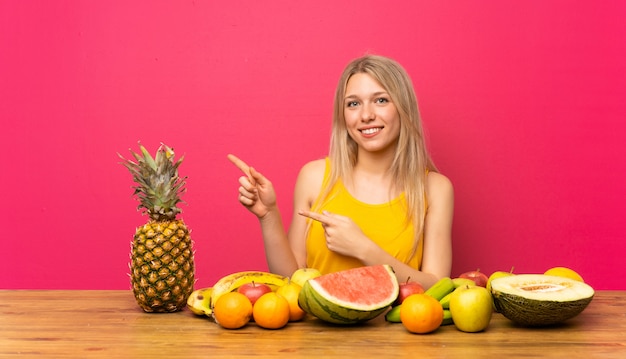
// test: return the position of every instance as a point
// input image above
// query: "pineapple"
(161, 259)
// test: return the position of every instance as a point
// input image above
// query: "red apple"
(406, 289)
(254, 290)
(477, 276)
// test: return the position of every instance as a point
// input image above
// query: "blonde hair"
(411, 160)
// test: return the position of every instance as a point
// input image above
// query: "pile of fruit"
(463, 301)
(469, 300)
(267, 299)
(360, 294)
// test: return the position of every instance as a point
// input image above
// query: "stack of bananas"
(201, 300)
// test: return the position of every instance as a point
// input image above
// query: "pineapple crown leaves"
(159, 186)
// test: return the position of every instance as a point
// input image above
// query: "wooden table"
(109, 324)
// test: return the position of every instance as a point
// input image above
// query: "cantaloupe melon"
(540, 300)
(350, 296)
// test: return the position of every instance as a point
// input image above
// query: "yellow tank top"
(385, 224)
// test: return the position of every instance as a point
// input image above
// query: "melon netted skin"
(350, 296)
(540, 300)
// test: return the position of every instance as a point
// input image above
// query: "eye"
(351, 103)
(382, 100)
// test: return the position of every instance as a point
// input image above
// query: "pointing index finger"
(240, 164)
(315, 216)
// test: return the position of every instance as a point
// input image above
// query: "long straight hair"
(411, 160)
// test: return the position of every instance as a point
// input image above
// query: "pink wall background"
(523, 102)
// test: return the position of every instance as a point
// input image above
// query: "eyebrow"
(375, 94)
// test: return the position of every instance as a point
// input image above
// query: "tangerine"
(291, 292)
(271, 311)
(232, 310)
(421, 313)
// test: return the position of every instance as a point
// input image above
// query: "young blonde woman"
(376, 199)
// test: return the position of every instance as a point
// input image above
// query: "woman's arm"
(284, 252)
(437, 258)
(257, 194)
(307, 188)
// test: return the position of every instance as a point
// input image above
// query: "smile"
(370, 131)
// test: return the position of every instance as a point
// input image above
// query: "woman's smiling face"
(371, 118)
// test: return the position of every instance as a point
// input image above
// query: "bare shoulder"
(314, 168)
(310, 179)
(438, 187)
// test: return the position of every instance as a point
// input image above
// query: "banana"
(445, 301)
(199, 301)
(233, 281)
(443, 287)
(393, 316)
(447, 317)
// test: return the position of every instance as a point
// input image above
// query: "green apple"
(458, 282)
(471, 308)
(301, 275)
(498, 274)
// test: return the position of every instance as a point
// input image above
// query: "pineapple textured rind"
(162, 266)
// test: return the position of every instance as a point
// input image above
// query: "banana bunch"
(201, 301)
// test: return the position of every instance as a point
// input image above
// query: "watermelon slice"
(350, 296)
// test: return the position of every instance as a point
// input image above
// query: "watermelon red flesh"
(350, 296)
(359, 288)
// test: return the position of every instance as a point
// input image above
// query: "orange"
(232, 310)
(421, 313)
(291, 291)
(271, 311)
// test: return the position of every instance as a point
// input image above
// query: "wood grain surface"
(109, 324)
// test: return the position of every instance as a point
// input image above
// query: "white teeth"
(369, 131)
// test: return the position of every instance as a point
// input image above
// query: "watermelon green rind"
(317, 306)
(317, 301)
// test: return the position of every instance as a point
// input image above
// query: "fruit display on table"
(161, 260)
(358, 295)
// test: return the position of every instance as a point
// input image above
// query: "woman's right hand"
(256, 192)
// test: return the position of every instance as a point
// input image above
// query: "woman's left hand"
(343, 236)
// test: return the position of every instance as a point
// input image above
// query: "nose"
(367, 114)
